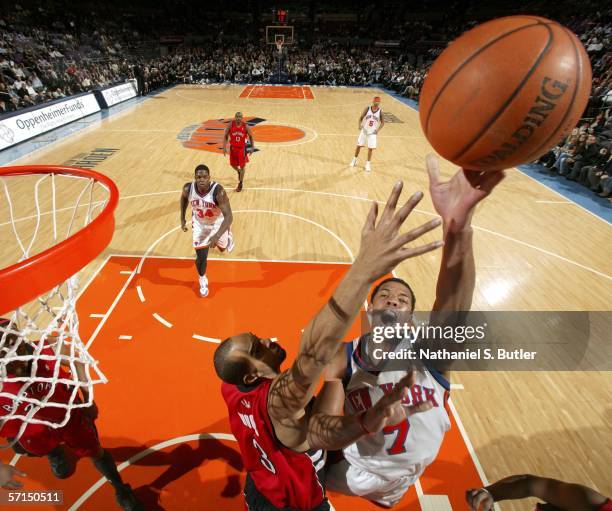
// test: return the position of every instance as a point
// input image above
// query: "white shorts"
(347, 479)
(365, 137)
(203, 233)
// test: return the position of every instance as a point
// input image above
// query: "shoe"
(239, 187)
(203, 286)
(230, 243)
(367, 166)
(353, 162)
(127, 500)
(60, 464)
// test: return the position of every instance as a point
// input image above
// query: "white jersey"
(371, 121)
(204, 210)
(406, 449)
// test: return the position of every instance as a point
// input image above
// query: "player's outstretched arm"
(334, 432)
(567, 496)
(455, 201)
(184, 202)
(382, 248)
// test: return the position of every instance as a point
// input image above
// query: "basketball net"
(44, 333)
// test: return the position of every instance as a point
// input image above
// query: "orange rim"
(24, 281)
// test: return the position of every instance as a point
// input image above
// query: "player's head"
(376, 101)
(393, 293)
(238, 117)
(244, 358)
(202, 176)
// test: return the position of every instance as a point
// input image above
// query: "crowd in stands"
(62, 56)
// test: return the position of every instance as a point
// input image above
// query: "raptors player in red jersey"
(560, 496)
(271, 414)
(79, 433)
(237, 132)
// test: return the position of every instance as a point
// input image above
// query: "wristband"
(337, 310)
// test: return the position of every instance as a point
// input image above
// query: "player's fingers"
(420, 408)
(371, 218)
(412, 235)
(433, 169)
(406, 209)
(392, 201)
(407, 253)
(407, 381)
(18, 472)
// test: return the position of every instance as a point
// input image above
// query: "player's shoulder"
(187, 186)
(219, 190)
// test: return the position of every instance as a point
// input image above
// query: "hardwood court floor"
(534, 251)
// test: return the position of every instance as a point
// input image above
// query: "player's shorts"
(238, 157)
(203, 233)
(350, 480)
(255, 501)
(80, 434)
(369, 138)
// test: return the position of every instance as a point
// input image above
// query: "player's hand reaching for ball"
(382, 246)
(455, 200)
(7, 474)
(479, 500)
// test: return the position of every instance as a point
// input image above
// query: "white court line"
(250, 92)
(240, 259)
(457, 386)
(162, 320)
(144, 453)
(125, 337)
(468, 444)
(96, 315)
(109, 311)
(207, 339)
(126, 272)
(331, 194)
(494, 233)
(139, 291)
(280, 213)
(14, 460)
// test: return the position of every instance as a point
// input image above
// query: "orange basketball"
(505, 92)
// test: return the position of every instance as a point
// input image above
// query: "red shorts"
(80, 434)
(238, 157)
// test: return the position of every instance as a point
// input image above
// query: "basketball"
(505, 92)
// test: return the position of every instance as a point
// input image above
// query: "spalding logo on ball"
(505, 92)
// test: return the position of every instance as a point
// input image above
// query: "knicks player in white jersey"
(370, 123)
(211, 218)
(382, 466)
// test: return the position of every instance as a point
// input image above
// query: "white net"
(46, 370)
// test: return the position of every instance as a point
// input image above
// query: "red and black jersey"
(284, 478)
(237, 135)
